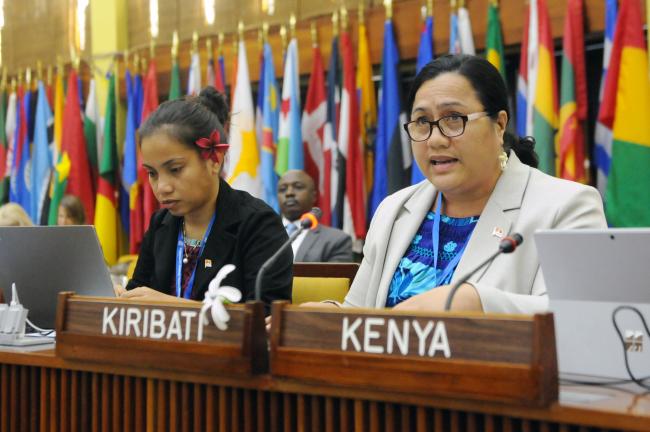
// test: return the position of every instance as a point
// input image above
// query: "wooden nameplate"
(161, 335)
(505, 358)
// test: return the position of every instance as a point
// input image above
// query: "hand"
(119, 290)
(320, 305)
(146, 294)
(466, 299)
(267, 324)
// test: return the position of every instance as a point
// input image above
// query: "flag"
(332, 213)
(425, 55)
(210, 72)
(244, 154)
(124, 190)
(271, 118)
(233, 84)
(259, 109)
(58, 183)
(494, 40)
(150, 92)
(545, 102)
(59, 108)
(220, 75)
(175, 82)
(313, 123)
(454, 36)
(603, 136)
(106, 215)
(92, 131)
(42, 155)
(20, 191)
(573, 97)
(392, 151)
(4, 148)
(11, 127)
(522, 80)
(349, 142)
(465, 36)
(290, 154)
(626, 104)
(79, 179)
(194, 75)
(367, 106)
(149, 105)
(537, 86)
(130, 167)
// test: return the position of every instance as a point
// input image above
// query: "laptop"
(588, 274)
(44, 260)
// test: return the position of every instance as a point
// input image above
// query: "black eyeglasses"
(450, 126)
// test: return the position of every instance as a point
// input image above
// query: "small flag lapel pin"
(497, 232)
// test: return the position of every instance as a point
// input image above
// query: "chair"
(313, 282)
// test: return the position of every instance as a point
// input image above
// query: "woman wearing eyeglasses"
(481, 184)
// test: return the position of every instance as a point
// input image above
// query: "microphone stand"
(507, 245)
(269, 262)
(463, 279)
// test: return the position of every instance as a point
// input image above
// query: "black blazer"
(246, 232)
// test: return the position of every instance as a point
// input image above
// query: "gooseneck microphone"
(507, 245)
(308, 220)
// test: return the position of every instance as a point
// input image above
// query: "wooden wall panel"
(39, 29)
(406, 22)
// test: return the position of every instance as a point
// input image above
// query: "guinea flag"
(106, 215)
(626, 104)
(544, 113)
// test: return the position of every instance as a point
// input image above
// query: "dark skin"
(296, 194)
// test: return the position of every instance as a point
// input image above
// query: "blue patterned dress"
(415, 273)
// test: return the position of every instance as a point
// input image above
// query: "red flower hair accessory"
(211, 146)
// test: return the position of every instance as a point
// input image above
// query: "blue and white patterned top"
(415, 273)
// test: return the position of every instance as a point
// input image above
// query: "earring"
(503, 160)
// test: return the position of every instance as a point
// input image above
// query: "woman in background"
(71, 211)
(12, 214)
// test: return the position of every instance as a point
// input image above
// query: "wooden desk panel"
(40, 392)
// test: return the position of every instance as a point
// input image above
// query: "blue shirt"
(415, 273)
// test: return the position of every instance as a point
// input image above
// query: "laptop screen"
(588, 275)
(44, 260)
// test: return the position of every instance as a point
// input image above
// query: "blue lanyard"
(180, 251)
(435, 237)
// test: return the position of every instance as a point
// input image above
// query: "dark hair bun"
(216, 102)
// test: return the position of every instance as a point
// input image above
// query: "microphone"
(308, 220)
(507, 245)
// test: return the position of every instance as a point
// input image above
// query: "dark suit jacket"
(325, 244)
(246, 232)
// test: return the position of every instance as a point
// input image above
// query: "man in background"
(297, 195)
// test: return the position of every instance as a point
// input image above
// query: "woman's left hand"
(146, 293)
(466, 299)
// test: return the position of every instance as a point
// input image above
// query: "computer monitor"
(44, 260)
(588, 274)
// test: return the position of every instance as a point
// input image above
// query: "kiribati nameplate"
(161, 335)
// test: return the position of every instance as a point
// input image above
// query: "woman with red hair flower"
(203, 223)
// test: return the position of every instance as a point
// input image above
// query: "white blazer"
(523, 201)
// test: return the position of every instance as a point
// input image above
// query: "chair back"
(314, 282)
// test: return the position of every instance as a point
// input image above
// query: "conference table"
(40, 391)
